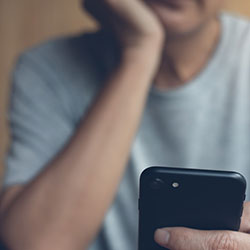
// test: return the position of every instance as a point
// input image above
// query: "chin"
(179, 18)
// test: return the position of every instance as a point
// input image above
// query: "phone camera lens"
(156, 184)
(175, 184)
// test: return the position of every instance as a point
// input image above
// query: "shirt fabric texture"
(203, 124)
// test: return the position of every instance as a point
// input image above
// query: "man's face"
(181, 17)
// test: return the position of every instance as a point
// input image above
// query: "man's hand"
(132, 22)
(189, 239)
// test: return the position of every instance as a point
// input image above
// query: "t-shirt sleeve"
(39, 124)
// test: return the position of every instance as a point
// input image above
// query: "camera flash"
(175, 185)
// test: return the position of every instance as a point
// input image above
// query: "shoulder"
(237, 29)
(73, 68)
(235, 56)
(64, 54)
(235, 19)
(235, 41)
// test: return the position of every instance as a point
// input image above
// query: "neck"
(184, 57)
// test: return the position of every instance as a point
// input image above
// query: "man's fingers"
(189, 239)
(180, 239)
(245, 220)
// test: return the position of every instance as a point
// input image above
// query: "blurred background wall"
(28, 22)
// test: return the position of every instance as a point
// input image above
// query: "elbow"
(6, 241)
(12, 239)
(16, 238)
(3, 238)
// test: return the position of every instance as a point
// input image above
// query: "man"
(88, 115)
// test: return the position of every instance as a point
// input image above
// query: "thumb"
(190, 239)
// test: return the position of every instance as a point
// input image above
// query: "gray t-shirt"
(204, 124)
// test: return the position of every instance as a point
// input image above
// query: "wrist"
(140, 64)
(146, 53)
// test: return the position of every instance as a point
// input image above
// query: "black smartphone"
(194, 198)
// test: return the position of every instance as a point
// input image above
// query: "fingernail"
(162, 236)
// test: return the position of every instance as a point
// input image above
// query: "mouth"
(173, 4)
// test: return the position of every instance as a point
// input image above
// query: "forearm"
(65, 205)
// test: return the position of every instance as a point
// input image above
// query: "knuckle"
(223, 241)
